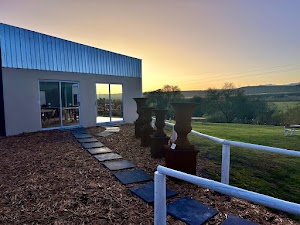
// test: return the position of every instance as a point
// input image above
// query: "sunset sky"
(194, 44)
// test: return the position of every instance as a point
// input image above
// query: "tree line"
(228, 104)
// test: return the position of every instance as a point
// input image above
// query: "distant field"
(285, 105)
(267, 173)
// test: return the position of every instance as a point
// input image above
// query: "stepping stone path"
(112, 129)
(92, 145)
(133, 176)
(87, 140)
(79, 136)
(235, 220)
(184, 209)
(118, 165)
(108, 156)
(79, 131)
(190, 211)
(146, 192)
(104, 134)
(72, 130)
(101, 150)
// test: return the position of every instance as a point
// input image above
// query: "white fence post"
(160, 204)
(251, 196)
(225, 164)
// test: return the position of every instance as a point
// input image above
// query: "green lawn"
(267, 173)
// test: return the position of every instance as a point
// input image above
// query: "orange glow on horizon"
(194, 45)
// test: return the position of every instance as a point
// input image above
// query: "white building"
(49, 83)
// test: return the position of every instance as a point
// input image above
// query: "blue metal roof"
(27, 49)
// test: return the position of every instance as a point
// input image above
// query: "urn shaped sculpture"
(183, 118)
(159, 138)
(160, 115)
(138, 124)
(183, 156)
(147, 129)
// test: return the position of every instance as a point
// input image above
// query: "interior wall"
(21, 97)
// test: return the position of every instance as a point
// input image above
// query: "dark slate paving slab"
(77, 129)
(79, 136)
(146, 192)
(134, 176)
(108, 156)
(72, 129)
(190, 211)
(79, 132)
(87, 140)
(118, 165)
(92, 145)
(101, 150)
(112, 129)
(103, 134)
(235, 220)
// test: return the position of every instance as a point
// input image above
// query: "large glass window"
(59, 103)
(109, 103)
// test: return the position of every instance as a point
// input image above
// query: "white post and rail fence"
(223, 186)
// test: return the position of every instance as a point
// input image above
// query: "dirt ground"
(48, 178)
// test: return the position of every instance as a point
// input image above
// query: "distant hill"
(289, 92)
(274, 89)
(292, 84)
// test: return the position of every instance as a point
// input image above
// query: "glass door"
(109, 103)
(59, 104)
(103, 103)
(50, 104)
(69, 102)
(116, 97)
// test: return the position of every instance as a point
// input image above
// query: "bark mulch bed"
(48, 178)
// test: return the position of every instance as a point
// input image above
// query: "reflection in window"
(109, 103)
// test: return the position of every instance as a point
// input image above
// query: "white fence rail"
(223, 187)
(226, 150)
(160, 210)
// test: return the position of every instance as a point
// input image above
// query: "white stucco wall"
(21, 97)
